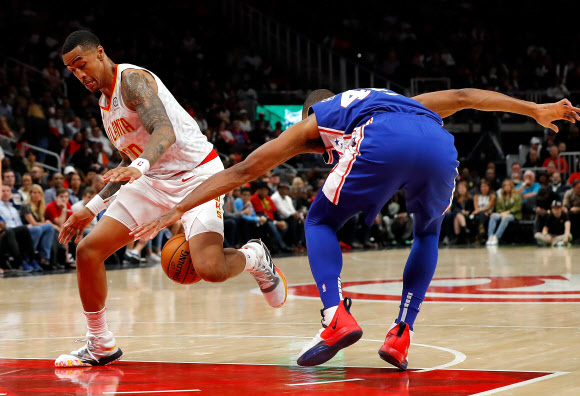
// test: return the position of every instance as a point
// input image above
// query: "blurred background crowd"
(54, 150)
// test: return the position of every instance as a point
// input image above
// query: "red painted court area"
(39, 377)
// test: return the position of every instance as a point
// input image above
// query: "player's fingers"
(553, 127)
(568, 117)
(79, 236)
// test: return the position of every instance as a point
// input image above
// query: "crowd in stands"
(218, 79)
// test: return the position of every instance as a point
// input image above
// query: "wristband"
(140, 163)
(96, 205)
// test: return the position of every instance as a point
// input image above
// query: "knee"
(210, 269)
(87, 253)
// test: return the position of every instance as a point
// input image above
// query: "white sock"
(97, 322)
(329, 314)
(251, 258)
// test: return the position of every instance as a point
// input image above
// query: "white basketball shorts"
(146, 199)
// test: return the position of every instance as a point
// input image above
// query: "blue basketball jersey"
(339, 115)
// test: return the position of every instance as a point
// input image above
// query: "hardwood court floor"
(495, 320)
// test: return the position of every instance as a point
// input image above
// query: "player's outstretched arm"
(78, 221)
(139, 93)
(300, 138)
(448, 102)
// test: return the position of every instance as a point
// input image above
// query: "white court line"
(10, 372)
(162, 391)
(305, 324)
(326, 382)
(512, 386)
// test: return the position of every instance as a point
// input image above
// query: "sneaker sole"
(322, 353)
(104, 362)
(285, 286)
(392, 360)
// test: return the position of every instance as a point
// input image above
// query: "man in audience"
(556, 231)
(57, 182)
(39, 177)
(533, 159)
(516, 175)
(572, 204)
(289, 214)
(9, 180)
(557, 187)
(15, 238)
(528, 189)
(264, 206)
(560, 162)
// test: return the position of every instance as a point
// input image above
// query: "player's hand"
(563, 110)
(154, 226)
(122, 173)
(75, 226)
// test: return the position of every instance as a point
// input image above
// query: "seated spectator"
(560, 162)
(483, 203)
(9, 179)
(528, 190)
(507, 209)
(231, 222)
(57, 212)
(544, 201)
(572, 204)
(75, 189)
(516, 174)
(43, 233)
(557, 187)
(26, 187)
(88, 194)
(263, 205)
(223, 139)
(533, 160)
(461, 208)
(398, 223)
(39, 177)
(15, 237)
(288, 213)
(492, 179)
(557, 229)
(56, 182)
(550, 170)
(250, 221)
(573, 177)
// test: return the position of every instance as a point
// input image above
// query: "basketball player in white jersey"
(165, 156)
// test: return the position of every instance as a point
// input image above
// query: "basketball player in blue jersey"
(381, 142)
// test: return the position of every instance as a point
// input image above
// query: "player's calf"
(339, 330)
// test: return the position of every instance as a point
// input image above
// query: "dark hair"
(82, 38)
(575, 183)
(314, 97)
(246, 189)
(61, 190)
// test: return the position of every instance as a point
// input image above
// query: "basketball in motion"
(176, 261)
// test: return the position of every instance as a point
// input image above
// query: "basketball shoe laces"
(89, 347)
(263, 274)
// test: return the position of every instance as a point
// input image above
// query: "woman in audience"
(462, 206)
(26, 187)
(42, 233)
(75, 186)
(507, 209)
(483, 204)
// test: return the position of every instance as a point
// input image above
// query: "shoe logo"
(335, 322)
(184, 180)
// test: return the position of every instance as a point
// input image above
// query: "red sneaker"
(342, 331)
(396, 347)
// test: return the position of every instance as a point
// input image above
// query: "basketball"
(176, 261)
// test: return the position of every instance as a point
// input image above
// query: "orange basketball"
(176, 261)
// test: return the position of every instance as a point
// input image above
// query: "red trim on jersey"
(331, 131)
(108, 108)
(212, 155)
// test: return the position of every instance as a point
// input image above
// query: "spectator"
(544, 201)
(557, 229)
(557, 187)
(245, 123)
(42, 233)
(289, 214)
(507, 209)
(38, 176)
(572, 204)
(528, 190)
(250, 221)
(533, 160)
(57, 212)
(483, 203)
(461, 207)
(8, 179)
(264, 206)
(560, 162)
(68, 172)
(492, 179)
(98, 183)
(516, 174)
(26, 187)
(573, 177)
(16, 239)
(57, 182)
(231, 222)
(75, 189)
(398, 223)
(223, 139)
(88, 194)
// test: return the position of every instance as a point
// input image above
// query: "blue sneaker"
(26, 267)
(35, 266)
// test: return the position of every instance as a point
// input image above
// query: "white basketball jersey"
(125, 130)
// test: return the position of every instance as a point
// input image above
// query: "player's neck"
(109, 81)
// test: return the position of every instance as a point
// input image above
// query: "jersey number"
(132, 150)
(350, 96)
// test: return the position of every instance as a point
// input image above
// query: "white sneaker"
(490, 240)
(269, 277)
(97, 351)
(153, 258)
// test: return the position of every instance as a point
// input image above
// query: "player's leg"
(204, 229)
(108, 236)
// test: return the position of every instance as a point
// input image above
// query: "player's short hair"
(80, 38)
(314, 97)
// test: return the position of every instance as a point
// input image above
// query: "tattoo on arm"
(140, 95)
(111, 188)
